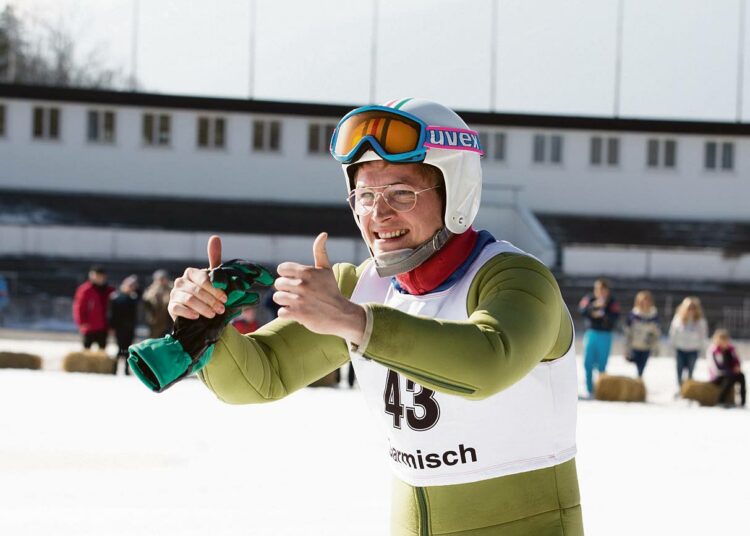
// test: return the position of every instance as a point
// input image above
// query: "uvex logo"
(453, 138)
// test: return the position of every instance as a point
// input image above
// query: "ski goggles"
(395, 136)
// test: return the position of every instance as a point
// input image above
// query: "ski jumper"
(475, 386)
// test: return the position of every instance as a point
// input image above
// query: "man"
(155, 301)
(462, 344)
(90, 305)
(600, 311)
(123, 315)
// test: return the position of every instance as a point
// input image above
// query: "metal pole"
(251, 52)
(134, 48)
(374, 51)
(618, 57)
(493, 55)
(740, 60)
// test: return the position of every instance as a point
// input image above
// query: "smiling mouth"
(390, 234)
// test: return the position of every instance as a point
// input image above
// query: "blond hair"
(640, 298)
(720, 335)
(683, 311)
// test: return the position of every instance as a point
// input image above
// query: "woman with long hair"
(688, 334)
(642, 330)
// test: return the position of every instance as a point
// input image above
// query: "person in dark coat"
(123, 311)
(90, 305)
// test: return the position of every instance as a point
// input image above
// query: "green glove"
(160, 363)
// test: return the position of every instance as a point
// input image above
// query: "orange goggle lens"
(395, 134)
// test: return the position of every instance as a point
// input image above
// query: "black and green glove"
(160, 363)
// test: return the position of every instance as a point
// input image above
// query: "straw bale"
(89, 361)
(19, 360)
(619, 389)
(705, 393)
(329, 380)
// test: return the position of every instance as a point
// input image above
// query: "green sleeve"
(517, 318)
(277, 359)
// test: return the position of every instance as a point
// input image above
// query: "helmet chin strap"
(405, 260)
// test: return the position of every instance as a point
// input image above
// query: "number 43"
(423, 399)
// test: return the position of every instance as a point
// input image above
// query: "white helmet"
(450, 146)
(461, 169)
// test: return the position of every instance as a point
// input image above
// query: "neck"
(435, 270)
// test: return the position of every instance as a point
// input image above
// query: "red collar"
(431, 273)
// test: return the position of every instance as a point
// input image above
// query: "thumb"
(319, 251)
(214, 251)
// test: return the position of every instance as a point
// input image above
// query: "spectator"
(600, 310)
(247, 321)
(155, 301)
(724, 367)
(687, 334)
(90, 308)
(642, 331)
(123, 310)
(4, 297)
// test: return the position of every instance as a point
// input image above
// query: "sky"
(679, 59)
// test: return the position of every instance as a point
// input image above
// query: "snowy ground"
(100, 455)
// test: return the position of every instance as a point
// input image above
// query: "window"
(547, 148)
(211, 132)
(493, 145)
(498, 152)
(604, 151)
(266, 135)
(661, 153)
(719, 156)
(2, 120)
(319, 137)
(101, 126)
(46, 123)
(157, 129)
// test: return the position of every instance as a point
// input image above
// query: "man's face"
(410, 228)
(97, 278)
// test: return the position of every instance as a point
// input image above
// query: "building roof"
(335, 111)
(136, 212)
(564, 229)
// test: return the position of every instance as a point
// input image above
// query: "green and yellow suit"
(515, 322)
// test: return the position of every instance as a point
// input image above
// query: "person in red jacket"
(90, 308)
(247, 322)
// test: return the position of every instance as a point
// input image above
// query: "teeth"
(392, 234)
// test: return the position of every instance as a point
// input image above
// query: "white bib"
(439, 439)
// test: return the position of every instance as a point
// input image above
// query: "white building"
(132, 177)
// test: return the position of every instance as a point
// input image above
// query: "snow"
(101, 455)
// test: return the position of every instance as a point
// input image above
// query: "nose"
(380, 209)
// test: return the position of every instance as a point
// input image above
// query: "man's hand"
(193, 295)
(310, 296)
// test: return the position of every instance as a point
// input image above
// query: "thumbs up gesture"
(309, 295)
(193, 295)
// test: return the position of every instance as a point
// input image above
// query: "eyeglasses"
(399, 197)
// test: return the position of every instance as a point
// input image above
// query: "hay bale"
(329, 380)
(89, 361)
(619, 389)
(18, 360)
(705, 393)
